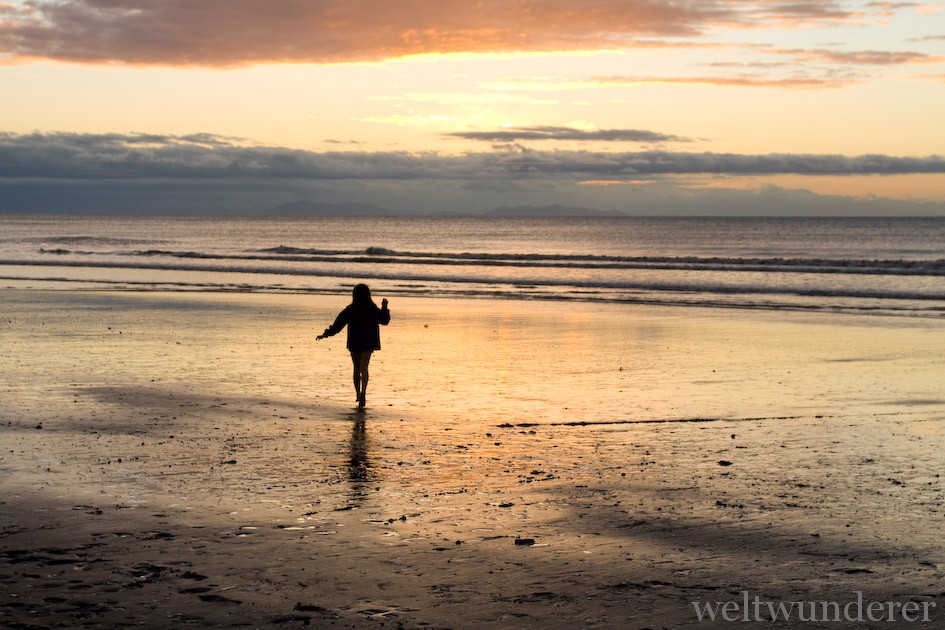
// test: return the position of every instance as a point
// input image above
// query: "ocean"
(885, 266)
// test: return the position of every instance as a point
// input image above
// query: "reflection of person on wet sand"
(362, 317)
(359, 466)
(360, 472)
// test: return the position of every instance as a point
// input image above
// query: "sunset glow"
(433, 89)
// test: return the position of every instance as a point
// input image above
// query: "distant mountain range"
(551, 211)
(325, 209)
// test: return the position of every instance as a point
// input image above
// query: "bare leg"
(364, 361)
(356, 362)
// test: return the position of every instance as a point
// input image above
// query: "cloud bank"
(224, 33)
(206, 156)
(208, 174)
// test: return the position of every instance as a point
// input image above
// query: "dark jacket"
(363, 322)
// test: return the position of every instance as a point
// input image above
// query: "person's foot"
(362, 401)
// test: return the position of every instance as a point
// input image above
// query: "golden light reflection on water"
(496, 361)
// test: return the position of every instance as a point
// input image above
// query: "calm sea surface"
(883, 266)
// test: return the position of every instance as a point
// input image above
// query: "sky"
(675, 107)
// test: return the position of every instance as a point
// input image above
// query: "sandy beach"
(175, 460)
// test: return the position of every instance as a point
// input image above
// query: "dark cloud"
(227, 33)
(115, 156)
(208, 157)
(602, 164)
(566, 133)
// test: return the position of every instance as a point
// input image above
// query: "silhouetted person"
(363, 319)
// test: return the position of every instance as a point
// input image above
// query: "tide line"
(584, 423)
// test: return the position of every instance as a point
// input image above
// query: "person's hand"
(319, 338)
(384, 303)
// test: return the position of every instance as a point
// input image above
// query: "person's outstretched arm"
(336, 327)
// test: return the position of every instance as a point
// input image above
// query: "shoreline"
(135, 288)
(201, 463)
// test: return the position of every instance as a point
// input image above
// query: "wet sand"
(174, 460)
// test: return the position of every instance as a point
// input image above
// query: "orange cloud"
(889, 8)
(862, 57)
(227, 33)
(796, 82)
(749, 81)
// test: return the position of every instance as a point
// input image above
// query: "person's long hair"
(361, 296)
